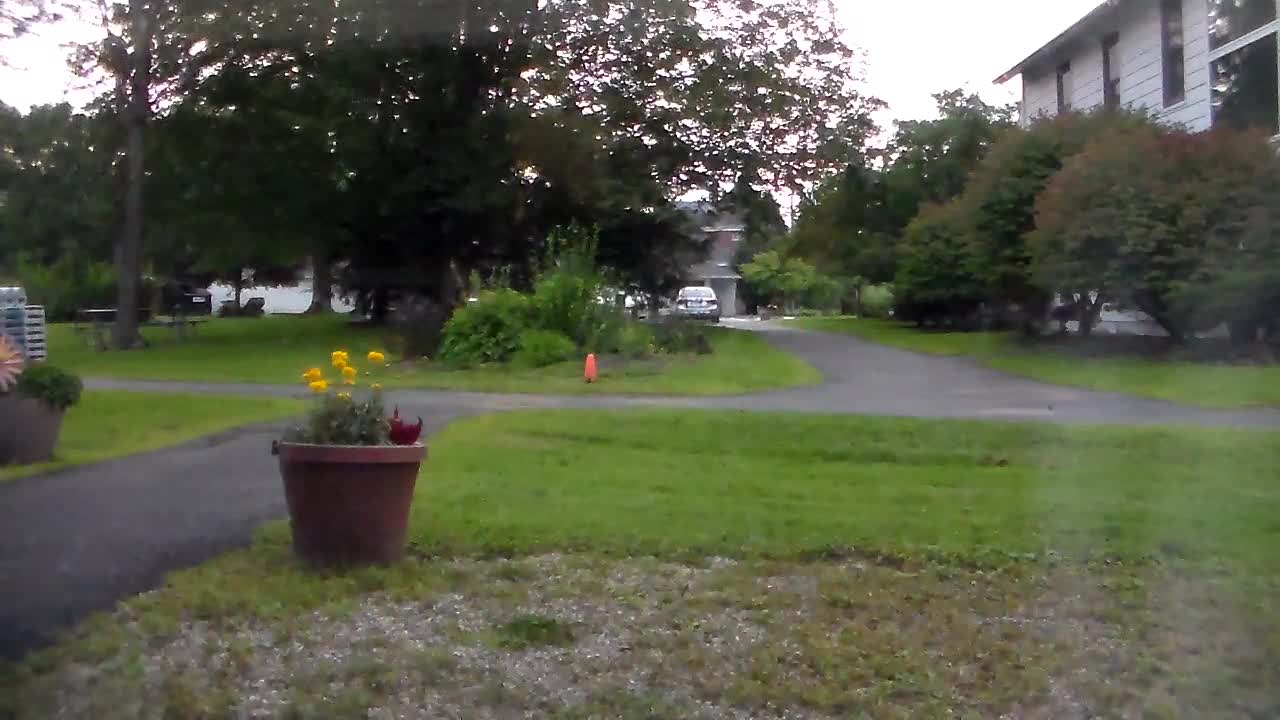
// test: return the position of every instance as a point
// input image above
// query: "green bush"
(67, 286)
(487, 330)
(51, 384)
(539, 348)
(1181, 225)
(636, 340)
(569, 302)
(877, 301)
(678, 335)
(934, 284)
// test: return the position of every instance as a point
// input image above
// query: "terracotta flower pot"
(30, 429)
(349, 505)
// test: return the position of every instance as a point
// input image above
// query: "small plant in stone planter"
(349, 470)
(33, 399)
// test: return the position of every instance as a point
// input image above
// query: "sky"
(914, 48)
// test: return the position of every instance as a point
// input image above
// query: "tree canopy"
(408, 143)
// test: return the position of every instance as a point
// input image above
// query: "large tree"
(852, 224)
(714, 88)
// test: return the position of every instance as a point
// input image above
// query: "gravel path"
(75, 541)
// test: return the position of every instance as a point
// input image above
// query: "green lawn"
(108, 424)
(836, 565)
(1206, 385)
(278, 349)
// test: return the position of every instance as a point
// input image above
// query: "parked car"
(180, 298)
(699, 303)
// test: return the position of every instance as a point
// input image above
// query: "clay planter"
(349, 505)
(30, 429)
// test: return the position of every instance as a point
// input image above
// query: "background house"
(724, 231)
(1196, 63)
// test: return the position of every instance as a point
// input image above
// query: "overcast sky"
(914, 48)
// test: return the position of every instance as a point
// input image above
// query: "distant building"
(1196, 63)
(725, 231)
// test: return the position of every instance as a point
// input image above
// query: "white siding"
(1141, 68)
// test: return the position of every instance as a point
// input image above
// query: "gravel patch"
(572, 636)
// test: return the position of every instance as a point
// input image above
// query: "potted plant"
(33, 399)
(349, 471)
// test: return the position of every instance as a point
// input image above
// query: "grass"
(755, 561)
(1205, 385)
(108, 424)
(277, 350)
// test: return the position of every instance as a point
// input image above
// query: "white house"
(1195, 63)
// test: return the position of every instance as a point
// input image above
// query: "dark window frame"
(1063, 72)
(1110, 66)
(1173, 55)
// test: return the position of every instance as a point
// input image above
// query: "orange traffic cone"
(589, 370)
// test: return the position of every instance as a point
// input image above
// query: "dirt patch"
(582, 637)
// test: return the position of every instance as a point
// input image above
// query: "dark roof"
(705, 216)
(1088, 23)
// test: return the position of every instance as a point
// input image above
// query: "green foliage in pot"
(50, 384)
(349, 408)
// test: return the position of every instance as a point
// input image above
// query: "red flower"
(401, 432)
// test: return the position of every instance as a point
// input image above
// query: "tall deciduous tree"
(712, 87)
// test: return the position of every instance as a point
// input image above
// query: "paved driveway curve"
(76, 541)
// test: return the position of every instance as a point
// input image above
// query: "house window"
(1110, 72)
(1173, 44)
(1231, 20)
(1064, 85)
(1244, 63)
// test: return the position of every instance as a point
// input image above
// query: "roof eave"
(1066, 37)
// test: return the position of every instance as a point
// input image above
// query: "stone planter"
(349, 505)
(30, 429)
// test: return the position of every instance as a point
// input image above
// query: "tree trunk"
(321, 283)
(1088, 316)
(137, 107)
(381, 306)
(1243, 331)
(238, 285)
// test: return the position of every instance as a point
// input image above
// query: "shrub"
(571, 302)
(877, 301)
(934, 286)
(69, 285)
(792, 281)
(52, 385)
(1182, 226)
(677, 335)
(539, 348)
(998, 204)
(636, 340)
(487, 330)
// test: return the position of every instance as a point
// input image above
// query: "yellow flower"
(348, 375)
(344, 395)
(376, 357)
(318, 386)
(339, 359)
(376, 386)
(313, 375)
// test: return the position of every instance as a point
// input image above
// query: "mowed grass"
(1206, 385)
(108, 424)
(277, 349)
(835, 565)
(793, 486)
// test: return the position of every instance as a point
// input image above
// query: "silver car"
(698, 303)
